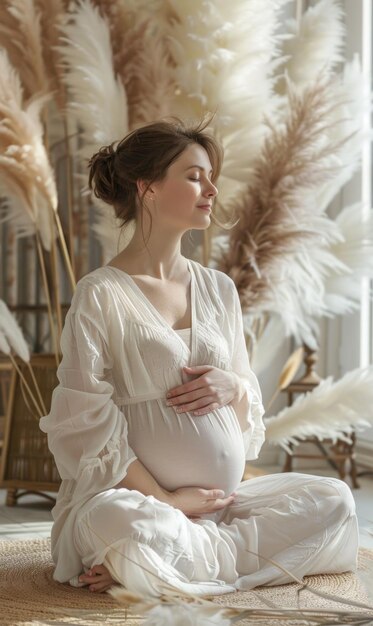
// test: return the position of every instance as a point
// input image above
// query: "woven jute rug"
(29, 595)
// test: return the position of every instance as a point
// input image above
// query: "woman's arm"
(192, 501)
(139, 479)
(87, 431)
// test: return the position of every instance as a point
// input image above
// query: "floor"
(31, 517)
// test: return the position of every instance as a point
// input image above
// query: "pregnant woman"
(157, 406)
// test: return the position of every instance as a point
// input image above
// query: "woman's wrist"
(240, 388)
(138, 478)
(166, 496)
(154, 490)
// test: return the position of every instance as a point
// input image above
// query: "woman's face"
(184, 197)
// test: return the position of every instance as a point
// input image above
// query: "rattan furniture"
(27, 466)
(5, 376)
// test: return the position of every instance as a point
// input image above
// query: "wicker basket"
(26, 462)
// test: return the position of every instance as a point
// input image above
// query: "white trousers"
(306, 524)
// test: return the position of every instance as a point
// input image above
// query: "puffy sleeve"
(249, 408)
(87, 432)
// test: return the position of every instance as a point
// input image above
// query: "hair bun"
(102, 174)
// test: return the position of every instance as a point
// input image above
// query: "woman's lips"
(205, 207)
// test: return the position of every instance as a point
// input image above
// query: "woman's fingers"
(213, 494)
(220, 503)
(212, 389)
(199, 405)
(187, 397)
(216, 500)
(98, 578)
(191, 385)
(196, 501)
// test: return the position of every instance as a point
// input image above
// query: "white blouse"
(120, 357)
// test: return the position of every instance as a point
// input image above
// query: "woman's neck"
(161, 256)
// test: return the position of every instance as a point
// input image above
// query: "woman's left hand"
(98, 578)
(212, 389)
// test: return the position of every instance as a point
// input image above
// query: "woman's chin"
(202, 224)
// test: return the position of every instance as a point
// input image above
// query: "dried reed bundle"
(4, 345)
(98, 101)
(140, 56)
(27, 178)
(97, 97)
(181, 615)
(224, 61)
(313, 45)
(20, 35)
(12, 339)
(25, 169)
(52, 16)
(174, 610)
(13, 333)
(288, 372)
(330, 411)
(267, 342)
(127, 24)
(353, 254)
(355, 251)
(352, 101)
(279, 252)
(23, 36)
(180, 611)
(305, 279)
(153, 87)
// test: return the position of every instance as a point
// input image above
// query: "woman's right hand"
(195, 501)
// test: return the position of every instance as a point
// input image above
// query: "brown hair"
(145, 154)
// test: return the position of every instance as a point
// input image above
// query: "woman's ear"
(143, 187)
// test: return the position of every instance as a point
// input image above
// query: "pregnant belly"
(188, 451)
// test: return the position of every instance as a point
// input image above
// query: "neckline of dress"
(160, 317)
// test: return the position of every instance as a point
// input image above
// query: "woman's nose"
(211, 190)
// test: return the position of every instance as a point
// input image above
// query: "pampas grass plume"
(330, 411)
(11, 338)
(4, 345)
(12, 334)
(288, 372)
(290, 368)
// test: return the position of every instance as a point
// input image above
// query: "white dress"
(120, 357)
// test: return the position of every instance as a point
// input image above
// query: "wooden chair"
(340, 455)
